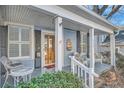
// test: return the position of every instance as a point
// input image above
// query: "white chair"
(98, 58)
(82, 58)
(15, 70)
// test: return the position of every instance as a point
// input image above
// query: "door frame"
(43, 33)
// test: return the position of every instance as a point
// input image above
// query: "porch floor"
(37, 72)
(100, 68)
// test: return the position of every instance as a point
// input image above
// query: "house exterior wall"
(3, 49)
(69, 34)
(38, 48)
(1, 16)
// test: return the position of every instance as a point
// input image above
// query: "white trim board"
(58, 11)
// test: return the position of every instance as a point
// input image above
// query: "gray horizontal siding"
(69, 34)
(3, 48)
(37, 48)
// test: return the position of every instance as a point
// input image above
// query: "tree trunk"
(102, 10)
(96, 8)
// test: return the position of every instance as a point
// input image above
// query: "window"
(13, 50)
(83, 42)
(19, 41)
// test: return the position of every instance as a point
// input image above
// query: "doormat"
(50, 66)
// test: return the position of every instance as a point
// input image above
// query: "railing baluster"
(80, 72)
(77, 69)
(72, 65)
(83, 72)
(85, 80)
(73, 68)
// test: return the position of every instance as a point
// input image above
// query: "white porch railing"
(83, 72)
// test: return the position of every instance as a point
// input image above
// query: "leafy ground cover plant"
(53, 80)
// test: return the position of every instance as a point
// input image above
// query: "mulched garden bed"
(110, 79)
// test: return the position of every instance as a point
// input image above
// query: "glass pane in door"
(49, 50)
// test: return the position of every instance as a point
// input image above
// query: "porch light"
(69, 45)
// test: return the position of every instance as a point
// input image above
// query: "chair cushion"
(21, 71)
(15, 64)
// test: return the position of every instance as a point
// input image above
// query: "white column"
(112, 49)
(59, 47)
(92, 58)
(91, 36)
(0, 74)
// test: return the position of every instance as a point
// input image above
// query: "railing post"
(79, 71)
(91, 78)
(72, 65)
(85, 78)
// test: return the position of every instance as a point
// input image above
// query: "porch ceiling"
(31, 16)
(24, 15)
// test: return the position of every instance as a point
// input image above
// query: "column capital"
(57, 16)
(92, 29)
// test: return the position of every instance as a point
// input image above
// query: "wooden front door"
(49, 50)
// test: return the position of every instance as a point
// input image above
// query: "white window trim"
(32, 55)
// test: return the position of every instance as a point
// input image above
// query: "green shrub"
(120, 61)
(54, 80)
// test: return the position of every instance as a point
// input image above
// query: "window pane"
(25, 50)
(85, 47)
(13, 34)
(13, 50)
(83, 43)
(25, 34)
